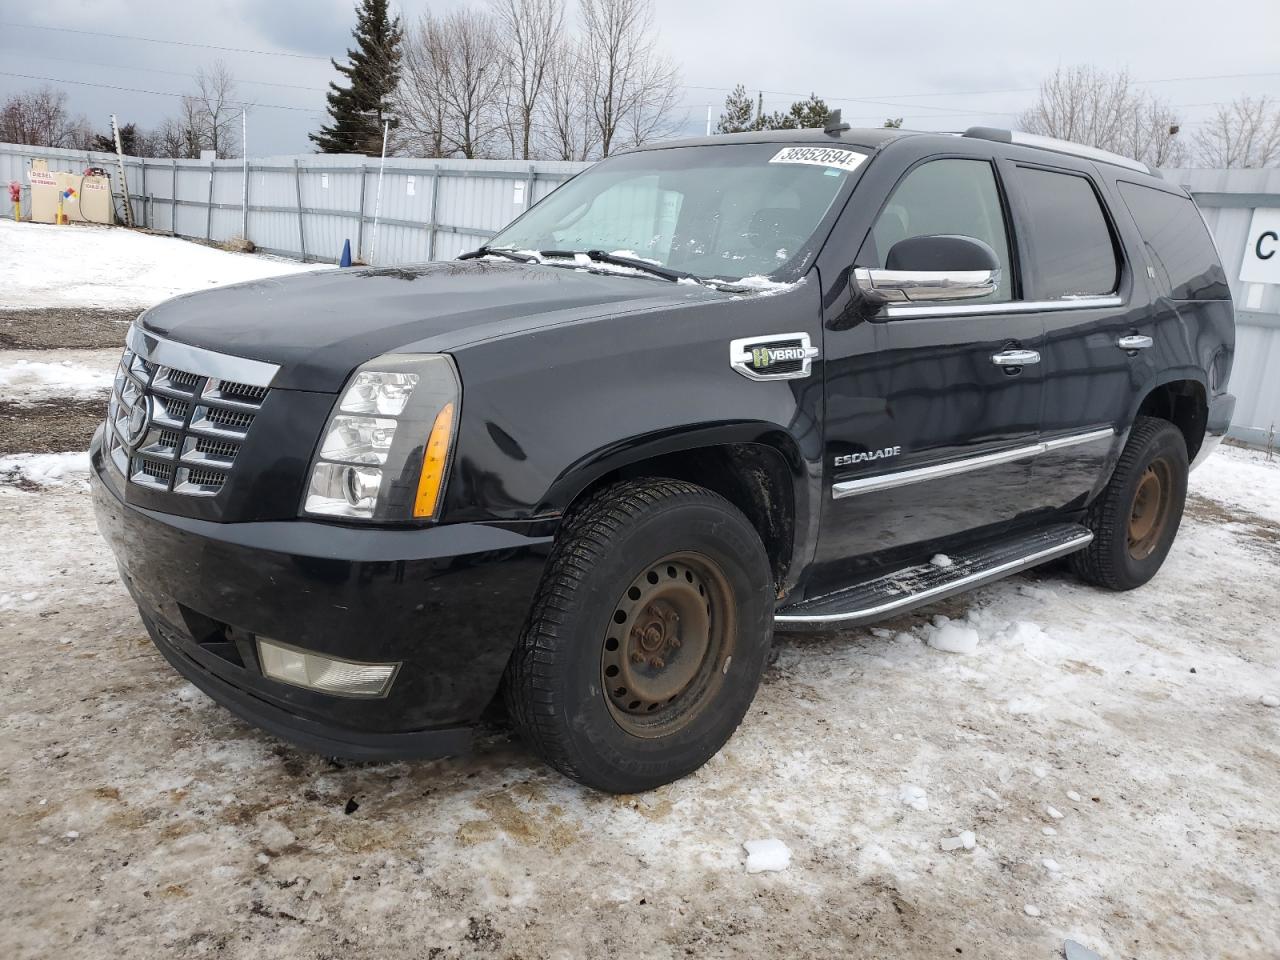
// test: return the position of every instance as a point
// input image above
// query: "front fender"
(545, 414)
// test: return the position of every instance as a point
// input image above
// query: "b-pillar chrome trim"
(902, 478)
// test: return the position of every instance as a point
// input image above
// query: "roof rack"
(1057, 146)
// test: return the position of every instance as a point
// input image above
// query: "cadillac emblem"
(139, 420)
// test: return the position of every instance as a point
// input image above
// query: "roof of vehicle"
(871, 138)
(868, 137)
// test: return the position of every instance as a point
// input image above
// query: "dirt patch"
(49, 426)
(55, 327)
(1250, 524)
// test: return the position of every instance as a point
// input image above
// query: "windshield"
(728, 212)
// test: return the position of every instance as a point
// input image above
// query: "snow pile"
(761, 286)
(966, 840)
(45, 469)
(951, 636)
(767, 855)
(913, 796)
(24, 379)
(942, 561)
(110, 267)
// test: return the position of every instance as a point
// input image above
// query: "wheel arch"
(1182, 399)
(756, 467)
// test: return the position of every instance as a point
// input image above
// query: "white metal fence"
(1228, 199)
(306, 206)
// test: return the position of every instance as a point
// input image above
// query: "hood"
(318, 327)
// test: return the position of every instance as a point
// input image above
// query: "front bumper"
(446, 602)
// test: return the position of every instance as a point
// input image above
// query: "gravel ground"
(1110, 753)
(62, 327)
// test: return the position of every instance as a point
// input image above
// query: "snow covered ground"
(1097, 766)
(82, 265)
(31, 375)
(984, 778)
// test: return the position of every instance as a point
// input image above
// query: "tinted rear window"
(1072, 254)
(1178, 244)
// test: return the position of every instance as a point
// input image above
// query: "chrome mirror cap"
(913, 286)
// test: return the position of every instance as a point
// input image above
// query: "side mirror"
(941, 267)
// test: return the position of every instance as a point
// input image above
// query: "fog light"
(326, 674)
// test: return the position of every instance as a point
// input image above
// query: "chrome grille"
(178, 415)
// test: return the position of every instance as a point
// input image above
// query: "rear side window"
(1178, 244)
(1072, 253)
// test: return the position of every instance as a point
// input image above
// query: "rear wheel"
(1135, 519)
(647, 640)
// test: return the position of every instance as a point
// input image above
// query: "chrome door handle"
(1015, 358)
(1134, 342)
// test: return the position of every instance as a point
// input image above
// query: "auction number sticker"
(820, 157)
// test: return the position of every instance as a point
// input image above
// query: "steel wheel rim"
(1149, 512)
(668, 645)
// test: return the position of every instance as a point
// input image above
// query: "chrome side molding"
(901, 310)
(951, 468)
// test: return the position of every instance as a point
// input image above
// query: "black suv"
(704, 390)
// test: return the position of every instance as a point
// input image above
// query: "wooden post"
(364, 179)
(208, 210)
(124, 178)
(297, 189)
(435, 221)
(173, 201)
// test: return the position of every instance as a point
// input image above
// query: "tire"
(1135, 519)
(620, 680)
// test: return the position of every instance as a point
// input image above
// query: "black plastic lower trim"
(309, 734)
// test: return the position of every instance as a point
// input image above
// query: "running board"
(902, 589)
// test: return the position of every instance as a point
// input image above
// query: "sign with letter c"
(1261, 263)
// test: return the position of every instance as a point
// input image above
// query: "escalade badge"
(778, 356)
(848, 459)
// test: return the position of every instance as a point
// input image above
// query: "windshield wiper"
(599, 256)
(497, 252)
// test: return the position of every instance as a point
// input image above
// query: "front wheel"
(647, 639)
(1135, 519)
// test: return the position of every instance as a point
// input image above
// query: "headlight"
(385, 451)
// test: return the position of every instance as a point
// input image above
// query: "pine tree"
(738, 112)
(358, 109)
(803, 115)
(130, 141)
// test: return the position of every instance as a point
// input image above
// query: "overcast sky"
(939, 64)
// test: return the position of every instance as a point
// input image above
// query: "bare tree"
(1244, 134)
(630, 86)
(567, 129)
(419, 100)
(528, 33)
(453, 78)
(213, 110)
(1104, 110)
(40, 118)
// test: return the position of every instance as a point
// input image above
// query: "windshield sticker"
(820, 157)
